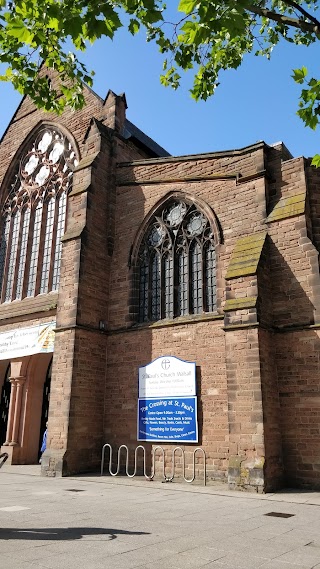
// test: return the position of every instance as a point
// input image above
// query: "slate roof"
(131, 131)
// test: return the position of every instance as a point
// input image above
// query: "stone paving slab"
(91, 522)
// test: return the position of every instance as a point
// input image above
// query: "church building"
(114, 253)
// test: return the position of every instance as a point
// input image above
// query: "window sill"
(28, 306)
(167, 323)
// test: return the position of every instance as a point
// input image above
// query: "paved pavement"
(116, 523)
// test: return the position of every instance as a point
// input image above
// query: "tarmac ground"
(93, 522)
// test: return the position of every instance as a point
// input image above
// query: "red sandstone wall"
(203, 343)
(298, 357)
(293, 257)
(274, 467)
(286, 287)
(240, 209)
(242, 163)
(313, 185)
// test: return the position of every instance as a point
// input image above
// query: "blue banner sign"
(168, 420)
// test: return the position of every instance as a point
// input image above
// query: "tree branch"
(302, 11)
(285, 20)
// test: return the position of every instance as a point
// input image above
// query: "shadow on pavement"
(63, 534)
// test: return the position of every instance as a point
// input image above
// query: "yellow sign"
(27, 341)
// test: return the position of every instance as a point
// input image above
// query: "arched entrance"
(25, 413)
(4, 406)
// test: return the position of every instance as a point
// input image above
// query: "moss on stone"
(246, 255)
(240, 303)
(288, 207)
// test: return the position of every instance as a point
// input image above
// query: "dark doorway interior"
(4, 406)
(45, 405)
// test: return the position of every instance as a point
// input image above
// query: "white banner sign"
(167, 376)
(27, 341)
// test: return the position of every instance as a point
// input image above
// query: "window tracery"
(33, 217)
(176, 264)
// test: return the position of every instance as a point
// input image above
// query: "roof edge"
(204, 155)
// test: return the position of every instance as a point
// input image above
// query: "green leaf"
(187, 6)
(19, 31)
(316, 161)
(299, 75)
(134, 27)
(54, 23)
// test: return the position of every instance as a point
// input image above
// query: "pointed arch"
(34, 192)
(199, 203)
(23, 149)
(174, 259)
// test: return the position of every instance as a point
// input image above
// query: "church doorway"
(45, 405)
(4, 406)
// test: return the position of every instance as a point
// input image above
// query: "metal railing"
(3, 457)
(153, 466)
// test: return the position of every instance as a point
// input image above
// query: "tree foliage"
(205, 36)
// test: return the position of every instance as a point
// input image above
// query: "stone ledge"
(240, 303)
(191, 157)
(26, 306)
(183, 179)
(228, 327)
(86, 162)
(73, 233)
(80, 189)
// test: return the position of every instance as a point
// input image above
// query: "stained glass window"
(144, 291)
(211, 286)
(168, 285)
(33, 217)
(23, 252)
(34, 250)
(196, 278)
(155, 287)
(4, 246)
(182, 282)
(13, 254)
(60, 229)
(47, 247)
(176, 264)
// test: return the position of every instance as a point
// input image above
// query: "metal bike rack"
(3, 457)
(184, 465)
(153, 467)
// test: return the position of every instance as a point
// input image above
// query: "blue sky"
(256, 102)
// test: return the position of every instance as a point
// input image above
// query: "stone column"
(19, 381)
(18, 377)
(11, 412)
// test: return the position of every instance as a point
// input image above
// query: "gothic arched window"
(176, 264)
(33, 217)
